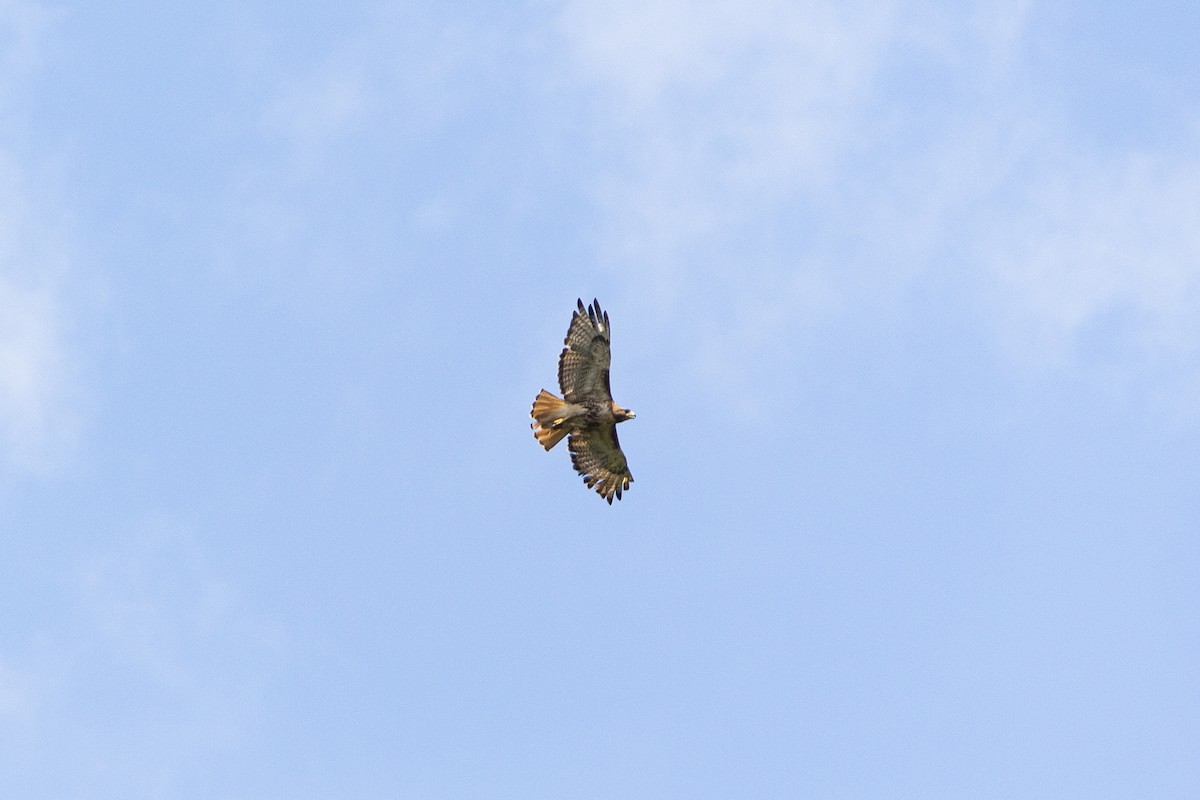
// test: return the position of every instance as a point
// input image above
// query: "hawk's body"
(586, 411)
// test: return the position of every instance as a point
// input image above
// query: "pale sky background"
(906, 296)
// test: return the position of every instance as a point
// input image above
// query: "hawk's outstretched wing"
(583, 365)
(597, 456)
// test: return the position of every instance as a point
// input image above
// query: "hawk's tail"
(547, 413)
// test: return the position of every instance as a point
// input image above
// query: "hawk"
(586, 411)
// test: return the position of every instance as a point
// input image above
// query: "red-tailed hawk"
(586, 412)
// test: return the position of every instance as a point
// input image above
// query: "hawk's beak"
(632, 415)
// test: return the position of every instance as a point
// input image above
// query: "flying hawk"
(586, 412)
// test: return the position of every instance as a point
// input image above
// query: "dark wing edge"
(584, 362)
(596, 455)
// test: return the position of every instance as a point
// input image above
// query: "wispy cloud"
(23, 26)
(1103, 247)
(762, 151)
(37, 420)
(152, 661)
(16, 695)
(321, 109)
(752, 177)
(38, 390)
(345, 111)
(156, 607)
(718, 111)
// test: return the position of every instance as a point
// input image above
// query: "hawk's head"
(622, 414)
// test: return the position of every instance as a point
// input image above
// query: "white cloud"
(1111, 241)
(33, 377)
(719, 110)
(737, 134)
(22, 27)
(176, 647)
(321, 109)
(399, 71)
(329, 118)
(16, 695)
(152, 661)
(157, 608)
(649, 51)
(722, 113)
(38, 422)
(764, 154)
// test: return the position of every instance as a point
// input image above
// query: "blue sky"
(906, 296)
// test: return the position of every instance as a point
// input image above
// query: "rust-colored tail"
(549, 426)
